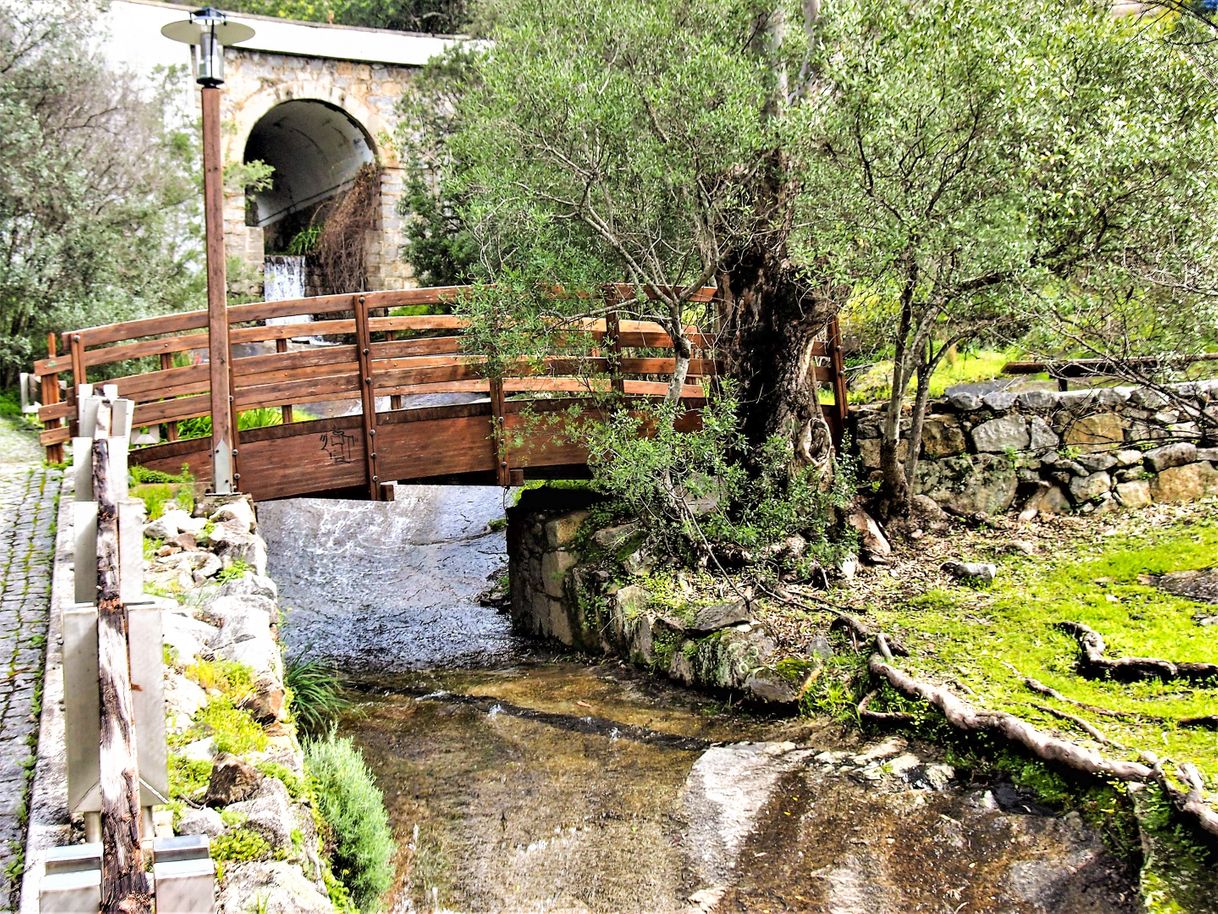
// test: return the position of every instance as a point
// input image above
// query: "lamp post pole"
(207, 31)
(222, 442)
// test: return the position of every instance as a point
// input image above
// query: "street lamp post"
(207, 31)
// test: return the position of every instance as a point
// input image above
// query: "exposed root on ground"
(1040, 688)
(1094, 665)
(1046, 746)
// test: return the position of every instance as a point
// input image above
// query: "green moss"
(233, 729)
(236, 680)
(990, 640)
(241, 845)
(297, 786)
(188, 777)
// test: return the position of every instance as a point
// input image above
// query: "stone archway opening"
(317, 150)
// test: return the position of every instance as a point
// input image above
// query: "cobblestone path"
(27, 547)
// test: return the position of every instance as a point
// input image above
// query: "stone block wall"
(1055, 452)
(588, 590)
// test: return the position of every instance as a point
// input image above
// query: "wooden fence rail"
(386, 363)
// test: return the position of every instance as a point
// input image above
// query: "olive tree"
(979, 166)
(96, 195)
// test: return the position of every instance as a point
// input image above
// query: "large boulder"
(1171, 455)
(942, 437)
(1186, 483)
(1098, 431)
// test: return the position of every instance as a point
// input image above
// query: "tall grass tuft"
(317, 696)
(354, 808)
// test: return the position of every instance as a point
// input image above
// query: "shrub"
(354, 808)
(317, 697)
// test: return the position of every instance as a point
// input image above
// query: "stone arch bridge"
(316, 102)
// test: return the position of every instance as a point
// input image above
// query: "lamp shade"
(209, 31)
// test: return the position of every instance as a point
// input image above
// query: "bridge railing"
(370, 355)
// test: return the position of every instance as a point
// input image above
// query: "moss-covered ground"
(987, 641)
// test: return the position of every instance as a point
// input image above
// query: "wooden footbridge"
(370, 382)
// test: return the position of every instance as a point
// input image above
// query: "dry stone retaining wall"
(1085, 450)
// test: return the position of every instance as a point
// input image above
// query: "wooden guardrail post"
(285, 411)
(76, 350)
(363, 351)
(841, 407)
(613, 338)
(50, 397)
(124, 888)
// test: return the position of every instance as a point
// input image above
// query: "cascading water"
(520, 781)
(285, 277)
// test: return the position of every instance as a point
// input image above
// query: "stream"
(522, 780)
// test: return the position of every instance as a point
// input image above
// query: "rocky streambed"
(522, 781)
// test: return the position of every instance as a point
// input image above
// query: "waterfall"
(283, 277)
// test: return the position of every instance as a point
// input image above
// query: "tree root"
(1045, 746)
(882, 717)
(1094, 665)
(1040, 688)
(1088, 728)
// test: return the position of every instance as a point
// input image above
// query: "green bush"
(316, 695)
(354, 808)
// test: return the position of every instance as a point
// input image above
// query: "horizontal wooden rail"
(371, 364)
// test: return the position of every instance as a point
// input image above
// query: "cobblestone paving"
(27, 546)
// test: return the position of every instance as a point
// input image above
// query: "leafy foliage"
(436, 16)
(694, 492)
(96, 195)
(353, 807)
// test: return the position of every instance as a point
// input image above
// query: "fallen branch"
(1207, 722)
(1094, 665)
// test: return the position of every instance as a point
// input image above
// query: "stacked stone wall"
(1056, 452)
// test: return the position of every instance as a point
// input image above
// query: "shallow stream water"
(518, 780)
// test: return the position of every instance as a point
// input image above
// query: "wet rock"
(273, 887)
(554, 567)
(232, 780)
(1171, 455)
(726, 790)
(1002, 434)
(720, 615)
(983, 572)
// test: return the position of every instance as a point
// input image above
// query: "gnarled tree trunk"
(769, 322)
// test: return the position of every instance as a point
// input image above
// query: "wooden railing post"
(613, 338)
(77, 350)
(503, 472)
(285, 411)
(363, 351)
(171, 428)
(841, 406)
(50, 397)
(124, 887)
